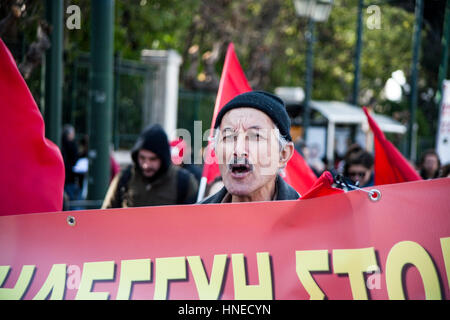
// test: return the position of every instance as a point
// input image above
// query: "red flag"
(232, 83)
(390, 165)
(177, 147)
(298, 174)
(322, 187)
(31, 167)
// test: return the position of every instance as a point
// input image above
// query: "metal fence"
(129, 80)
(129, 85)
(195, 106)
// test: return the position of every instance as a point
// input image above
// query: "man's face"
(149, 162)
(358, 172)
(248, 151)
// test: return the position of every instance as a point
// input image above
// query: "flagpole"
(412, 143)
(202, 189)
(54, 69)
(205, 173)
(101, 88)
(232, 83)
(204, 179)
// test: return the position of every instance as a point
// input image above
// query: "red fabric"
(177, 150)
(390, 165)
(322, 187)
(31, 167)
(232, 83)
(298, 174)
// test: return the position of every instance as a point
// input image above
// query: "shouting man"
(252, 145)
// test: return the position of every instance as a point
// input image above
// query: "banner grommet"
(374, 195)
(71, 221)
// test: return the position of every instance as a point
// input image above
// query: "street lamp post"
(315, 11)
(359, 33)
(445, 55)
(414, 76)
(54, 71)
(309, 75)
(101, 92)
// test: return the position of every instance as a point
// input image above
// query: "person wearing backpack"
(152, 179)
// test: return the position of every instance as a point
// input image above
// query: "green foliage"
(384, 51)
(270, 42)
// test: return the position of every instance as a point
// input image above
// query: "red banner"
(342, 246)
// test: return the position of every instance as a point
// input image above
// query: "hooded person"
(253, 145)
(152, 178)
(69, 151)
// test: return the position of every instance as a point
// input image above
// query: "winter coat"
(140, 192)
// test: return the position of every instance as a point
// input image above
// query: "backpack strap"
(182, 186)
(122, 185)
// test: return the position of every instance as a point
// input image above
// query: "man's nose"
(241, 146)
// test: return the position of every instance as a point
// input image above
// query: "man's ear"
(286, 154)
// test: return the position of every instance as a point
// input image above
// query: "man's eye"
(255, 136)
(228, 138)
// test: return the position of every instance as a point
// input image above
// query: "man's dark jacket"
(283, 192)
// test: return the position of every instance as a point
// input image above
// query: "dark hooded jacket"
(283, 191)
(69, 151)
(168, 186)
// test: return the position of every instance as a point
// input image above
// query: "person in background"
(359, 169)
(310, 154)
(82, 165)
(352, 149)
(69, 151)
(429, 165)
(301, 147)
(445, 171)
(152, 179)
(314, 161)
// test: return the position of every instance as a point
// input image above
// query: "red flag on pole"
(31, 167)
(232, 83)
(322, 187)
(390, 165)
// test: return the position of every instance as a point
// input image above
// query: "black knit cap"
(266, 102)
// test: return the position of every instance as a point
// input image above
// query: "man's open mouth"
(240, 168)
